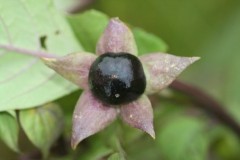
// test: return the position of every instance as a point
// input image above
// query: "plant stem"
(208, 103)
(41, 54)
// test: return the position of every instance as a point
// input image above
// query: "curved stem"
(208, 103)
(41, 54)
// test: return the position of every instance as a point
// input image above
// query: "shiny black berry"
(117, 78)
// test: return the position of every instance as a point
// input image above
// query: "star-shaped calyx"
(116, 82)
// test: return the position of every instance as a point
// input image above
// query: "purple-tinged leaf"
(161, 69)
(74, 67)
(116, 38)
(89, 117)
(139, 114)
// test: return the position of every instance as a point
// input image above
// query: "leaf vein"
(33, 23)
(6, 29)
(32, 88)
(20, 71)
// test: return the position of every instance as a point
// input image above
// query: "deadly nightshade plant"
(116, 82)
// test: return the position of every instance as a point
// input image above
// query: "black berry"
(117, 78)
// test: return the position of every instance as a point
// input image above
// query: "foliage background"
(209, 29)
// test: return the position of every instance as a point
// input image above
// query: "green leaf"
(32, 25)
(101, 145)
(145, 144)
(116, 156)
(182, 138)
(95, 153)
(88, 27)
(228, 147)
(9, 130)
(147, 42)
(42, 125)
